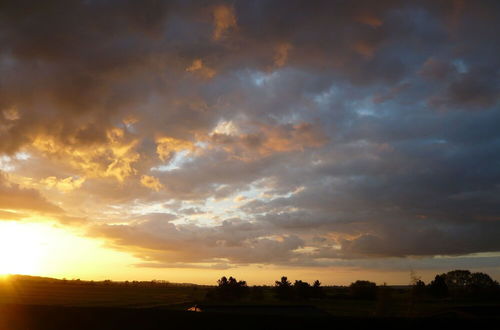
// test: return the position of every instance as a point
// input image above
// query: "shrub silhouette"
(302, 290)
(317, 290)
(418, 290)
(438, 287)
(283, 289)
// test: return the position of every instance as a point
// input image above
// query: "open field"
(43, 303)
(45, 291)
(14, 317)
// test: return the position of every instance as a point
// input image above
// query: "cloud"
(328, 133)
(14, 197)
(64, 185)
(168, 146)
(8, 215)
(224, 20)
(183, 245)
(369, 19)
(265, 140)
(436, 69)
(151, 182)
(281, 54)
(198, 67)
(113, 158)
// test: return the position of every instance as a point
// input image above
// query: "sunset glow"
(22, 248)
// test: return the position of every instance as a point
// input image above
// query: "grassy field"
(397, 302)
(43, 303)
(45, 291)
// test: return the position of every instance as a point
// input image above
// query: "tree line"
(453, 284)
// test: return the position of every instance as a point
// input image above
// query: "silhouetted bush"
(283, 289)
(363, 290)
(302, 290)
(317, 290)
(438, 287)
(418, 290)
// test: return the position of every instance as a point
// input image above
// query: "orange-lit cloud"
(151, 182)
(224, 20)
(364, 48)
(9, 215)
(369, 19)
(14, 197)
(199, 68)
(11, 114)
(281, 54)
(167, 146)
(265, 140)
(115, 158)
(64, 185)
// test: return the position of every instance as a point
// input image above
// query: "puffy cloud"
(281, 54)
(436, 69)
(198, 67)
(112, 158)
(151, 182)
(369, 19)
(183, 245)
(14, 197)
(224, 20)
(264, 140)
(64, 185)
(168, 146)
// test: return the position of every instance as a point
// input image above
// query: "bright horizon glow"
(44, 249)
(22, 248)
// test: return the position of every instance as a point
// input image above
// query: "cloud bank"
(227, 133)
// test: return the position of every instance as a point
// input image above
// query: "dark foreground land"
(15, 317)
(41, 303)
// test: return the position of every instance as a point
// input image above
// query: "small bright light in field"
(21, 248)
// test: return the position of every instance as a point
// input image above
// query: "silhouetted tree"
(483, 286)
(458, 279)
(230, 289)
(302, 290)
(283, 289)
(438, 288)
(363, 290)
(317, 290)
(463, 283)
(418, 290)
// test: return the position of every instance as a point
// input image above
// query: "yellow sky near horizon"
(47, 249)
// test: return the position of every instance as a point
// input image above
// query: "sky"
(186, 140)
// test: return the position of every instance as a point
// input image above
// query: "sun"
(21, 248)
